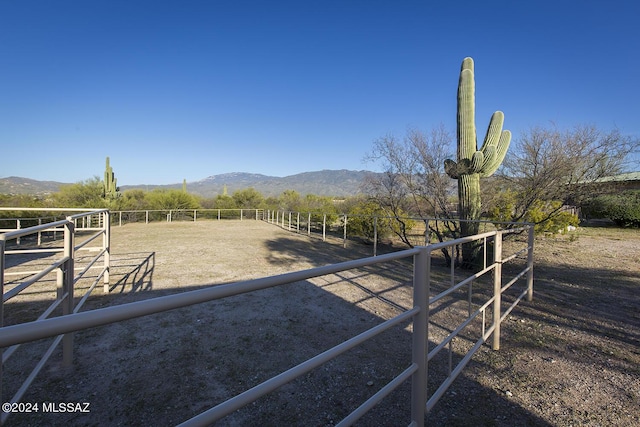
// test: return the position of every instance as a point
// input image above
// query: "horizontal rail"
(24, 285)
(453, 375)
(30, 331)
(237, 402)
(460, 284)
(88, 293)
(33, 251)
(10, 235)
(89, 265)
(377, 398)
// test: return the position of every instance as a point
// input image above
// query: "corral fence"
(84, 246)
(484, 313)
(173, 215)
(336, 227)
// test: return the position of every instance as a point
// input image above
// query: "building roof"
(629, 176)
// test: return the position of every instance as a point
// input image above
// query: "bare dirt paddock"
(571, 357)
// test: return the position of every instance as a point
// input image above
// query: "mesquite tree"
(472, 163)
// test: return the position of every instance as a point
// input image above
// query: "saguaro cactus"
(110, 187)
(473, 163)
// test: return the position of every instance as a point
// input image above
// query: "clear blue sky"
(187, 89)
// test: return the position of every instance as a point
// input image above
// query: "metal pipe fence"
(174, 215)
(337, 227)
(83, 232)
(483, 320)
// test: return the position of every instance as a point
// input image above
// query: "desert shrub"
(249, 198)
(171, 199)
(503, 205)
(623, 208)
(132, 200)
(548, 218)
(85, 194)
(319, 206)
(362, 221)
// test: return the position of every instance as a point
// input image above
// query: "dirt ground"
(571, 357)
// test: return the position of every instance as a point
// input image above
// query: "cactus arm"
(491, 143)
(477, 161)
(501, 152)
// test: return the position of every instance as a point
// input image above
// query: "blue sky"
(174, 90)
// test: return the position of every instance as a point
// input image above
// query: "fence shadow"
(133, 272)
(390, 285)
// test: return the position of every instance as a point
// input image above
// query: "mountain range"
(337, 183)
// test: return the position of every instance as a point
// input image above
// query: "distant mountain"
(18, 185)
(338, 183)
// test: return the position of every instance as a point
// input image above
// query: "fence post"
(298, 223)
(289, 220)
(427, 233)
(106, 245)
(421, 272)
(67, 306)
(530, 242)
(375, 235)
(195, 214)
(309, 225)
(324, 227)
(241, 215)
(2, 244)
(18, 227)
(344, 234)
(497, 289)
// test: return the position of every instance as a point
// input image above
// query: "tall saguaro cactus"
(110, 188)
(472, 163)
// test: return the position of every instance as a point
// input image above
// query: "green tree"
(249, 198)
(133, 200)
(622, 208)
(290, 200)
(368, 219)
(224, 201)
(171, 199)
(85, 194)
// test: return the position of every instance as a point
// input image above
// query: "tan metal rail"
(68, 273)
(419, 313)
(171, 215)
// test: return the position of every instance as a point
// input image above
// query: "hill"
(19, 185)
(339, 183)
